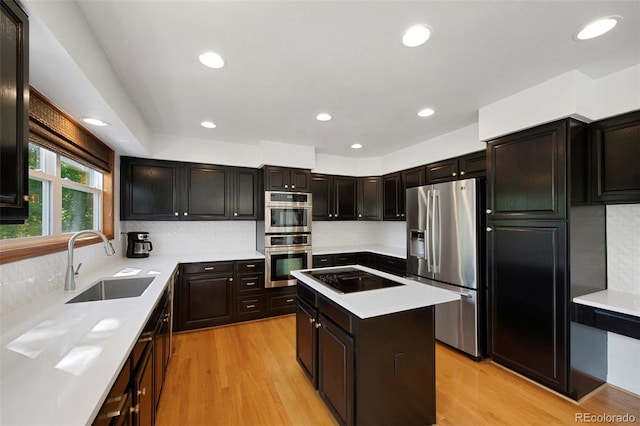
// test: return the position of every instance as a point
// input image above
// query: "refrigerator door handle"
(428, 233)
(434, 229)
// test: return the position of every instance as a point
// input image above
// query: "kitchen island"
(370, 354)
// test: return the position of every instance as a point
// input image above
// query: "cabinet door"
(276, 178)
(143, 392)
(336, 369)
(526, 173)
(206, 300)
(414, 177)
(472, 165)
(307, 341)
(617, 153)
(207, 192)
(299, 180)
(370, 198)
(442, 171)
(392, 197)
(14, 113)
(345, 197)
(321, 187)
(245, 194)
(149, 189)
(528, 297)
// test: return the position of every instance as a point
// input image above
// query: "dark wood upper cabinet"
(14, 113)
(370, 198)
(472, 165)
(169, 190)
(334, 197)
(149, 189)
(245, 194)
(527, 172)
(442, 171)
(394, 187)
(616, 154)
(286, 179)
(206, 192)
(467, 166)
(345, 193)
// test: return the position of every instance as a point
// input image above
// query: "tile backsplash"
(623, 247)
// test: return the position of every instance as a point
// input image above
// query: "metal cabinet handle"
(185, 214)
(175, 213)
(231, 279)
(330, 215)
(251, 306)
(146, 337)
(290, 300)
(250, 284)
(293, 186)
(454, 174)
(489, 229)
(110, 414)
(209, 268)
(135, 409)
(311, 320)
(489, 211)
(318, 325)
(360, 215)
(142, 392)
(235, 214)
(286, 186)
(250, 266)
(402, 215)
(324, 259)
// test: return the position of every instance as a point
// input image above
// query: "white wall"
(623, 272)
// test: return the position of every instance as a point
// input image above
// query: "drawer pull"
(251, 266)
(324, 260)
(111, 414)
(311, 320)
(209, 268)
(290, 300)
(142, 392)
(251, 306)
(318, 325)
(250, 284)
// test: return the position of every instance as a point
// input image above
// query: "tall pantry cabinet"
(545, 245)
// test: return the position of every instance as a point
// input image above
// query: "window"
(70, 186)
(65, 197)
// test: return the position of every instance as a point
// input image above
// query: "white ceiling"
(289, 60)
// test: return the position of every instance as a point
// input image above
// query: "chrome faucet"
(70, 278)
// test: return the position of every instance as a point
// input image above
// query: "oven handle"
(287, 249)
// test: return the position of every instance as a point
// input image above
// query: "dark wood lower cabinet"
(378, 370)
(206, 300)
(527, 276)
(143, 404)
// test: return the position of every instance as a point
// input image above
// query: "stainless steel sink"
(114, 288)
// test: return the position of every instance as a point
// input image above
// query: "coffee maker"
(138, 244)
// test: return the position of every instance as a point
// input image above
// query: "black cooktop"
(351, 280)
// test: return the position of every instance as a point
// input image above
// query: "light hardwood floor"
(247, 374)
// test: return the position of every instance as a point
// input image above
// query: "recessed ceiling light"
(208, 124)
(426, 112)
(211, 60)
(597, 28)
(416, 35)
(356, 146)
(323, 117)
(95, 122)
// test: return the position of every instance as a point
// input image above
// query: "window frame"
(65, 137)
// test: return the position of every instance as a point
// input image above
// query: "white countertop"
(385, 250)
(611, 300)
(41, 383)
(373, 303)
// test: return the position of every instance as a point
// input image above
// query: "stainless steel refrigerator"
(443, 250)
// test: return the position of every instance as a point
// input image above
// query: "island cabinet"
(286, 179)
(14, 113)
(616, 150)
(378, 370)
(171, 190)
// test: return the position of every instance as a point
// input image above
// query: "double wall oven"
(284, 236)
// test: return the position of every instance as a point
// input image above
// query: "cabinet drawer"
(336, 314)
(198, 268)
(250, 283)
(307, 295)
(321, 260)
(284, 301)
(249, 305)
(345, 259)
(250, 266)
